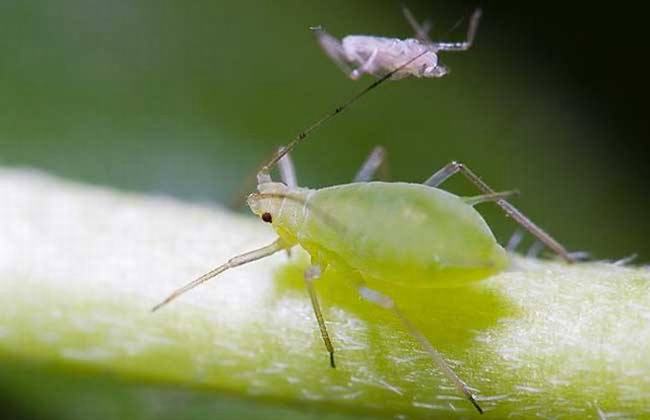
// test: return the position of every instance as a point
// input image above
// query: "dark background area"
(187, 98)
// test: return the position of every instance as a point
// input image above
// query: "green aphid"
(397, 233)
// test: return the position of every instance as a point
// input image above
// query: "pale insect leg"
(515, 240)
(387, 303)
(376, 160)
(626, 260)
(580, 255)
(454, 167)
(333, 48)
(465, 45)
(365, 67)
(421, 31)
(311, 274)
(288, 172)
(288, 176)
(535, 249)
(601, 414)
(487, 198)
(242, 259)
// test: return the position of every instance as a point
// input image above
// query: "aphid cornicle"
(365, 229)
(356, 55)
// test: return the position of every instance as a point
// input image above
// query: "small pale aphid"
(365, 230)
(376, 55)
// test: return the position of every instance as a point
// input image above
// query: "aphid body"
(378, 56)
(386, 232)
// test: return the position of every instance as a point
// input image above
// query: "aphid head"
(435, 70)
(268, 201)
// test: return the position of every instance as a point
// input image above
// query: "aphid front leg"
(277, 245)
(366, 67)
(387, 303)
(333, 48)
(455, 167)
(376, 160)
(312, 273)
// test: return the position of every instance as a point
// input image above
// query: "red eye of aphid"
(267, 217)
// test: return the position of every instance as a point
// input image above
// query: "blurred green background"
(187, 98)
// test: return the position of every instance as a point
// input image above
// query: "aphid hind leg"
(421, 31)
(486, 198)
(455, 167)
(469, 40)
(312, 273)
(241, 259)
(375, 161)
(387, 303)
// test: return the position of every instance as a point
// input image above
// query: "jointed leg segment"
(454, 167)
(332, 48)
(242, 259)
(288, 172)
(365, 67)
(465, 45)
(312, 273)
(421, 31)
(376, 160)
(387, 303)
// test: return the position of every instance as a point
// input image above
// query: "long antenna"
(304, 133)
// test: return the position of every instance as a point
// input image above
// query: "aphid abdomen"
(391, 53)
(400, 232)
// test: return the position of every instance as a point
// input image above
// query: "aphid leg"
(288, 172)
(376, 160)
(387, 303)
(601, 414)
(535, 249)
(311, 274)
(580, 255)
(486, 198)
(626, 260)
(454, 167)
(242, 259)
(288, 176)
(421, 31)
(332, 48)
(465, 45)
(515, 240)
(365, 67)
